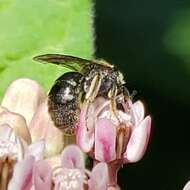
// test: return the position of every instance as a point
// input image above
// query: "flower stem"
(113, 169)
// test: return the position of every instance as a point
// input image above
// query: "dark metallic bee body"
(90, 79)
(108, 75)
(63, 102)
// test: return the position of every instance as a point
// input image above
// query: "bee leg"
(92, 93)
(113, 107)
(93, 89)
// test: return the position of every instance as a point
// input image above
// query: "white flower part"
(11, 147)
(8, 149)
(187, 186)
(137, 112)
(36, 149)
(68, 179)
(121, 116)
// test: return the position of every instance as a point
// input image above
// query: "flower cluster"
(33, 152)
(115, 138)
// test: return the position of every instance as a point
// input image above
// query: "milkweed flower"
(26, 100)
(72, 174)
(69, 173)
(13, 150)
(117, 137)
(19, 149)
(112, 136)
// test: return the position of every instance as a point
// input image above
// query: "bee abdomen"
(63, 103)
(64, 116)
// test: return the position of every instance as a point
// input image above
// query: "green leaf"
(30, 28)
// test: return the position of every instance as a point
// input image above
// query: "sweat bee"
(87, 80)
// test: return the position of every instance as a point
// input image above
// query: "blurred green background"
(148, 40)
(150, 43)
(30, 28)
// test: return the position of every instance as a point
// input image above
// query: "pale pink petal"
(36, 149)
(18, 145)
(73, 157)
(187, 186)
(6, 132)
(138, 142)
(42, 127)
(105, 140)
(22, 175)
(85, 137)
(42, 176)
(99, 177)
(23, 96)
(17, 123)
(138, 112)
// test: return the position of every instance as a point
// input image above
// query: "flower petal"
(187, 186)
(23, 96)
(72, 157)
(36, 150)
(17, 123)
(22, 175)
(84, 136)
(12, 146)
(99, 177)
(105, 140)
(42, 127)
(6, 132)
(42, 176)
(138, 112)
(138, 142)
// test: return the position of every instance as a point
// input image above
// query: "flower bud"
(23, 96)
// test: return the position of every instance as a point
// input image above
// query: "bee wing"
(67, 61)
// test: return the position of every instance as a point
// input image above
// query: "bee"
(87, 80)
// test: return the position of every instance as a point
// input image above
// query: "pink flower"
(72, 174)
(110, 136)
(25, 103)
(17, 152)
(13, 152)
(114, 136)
(31, 173)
